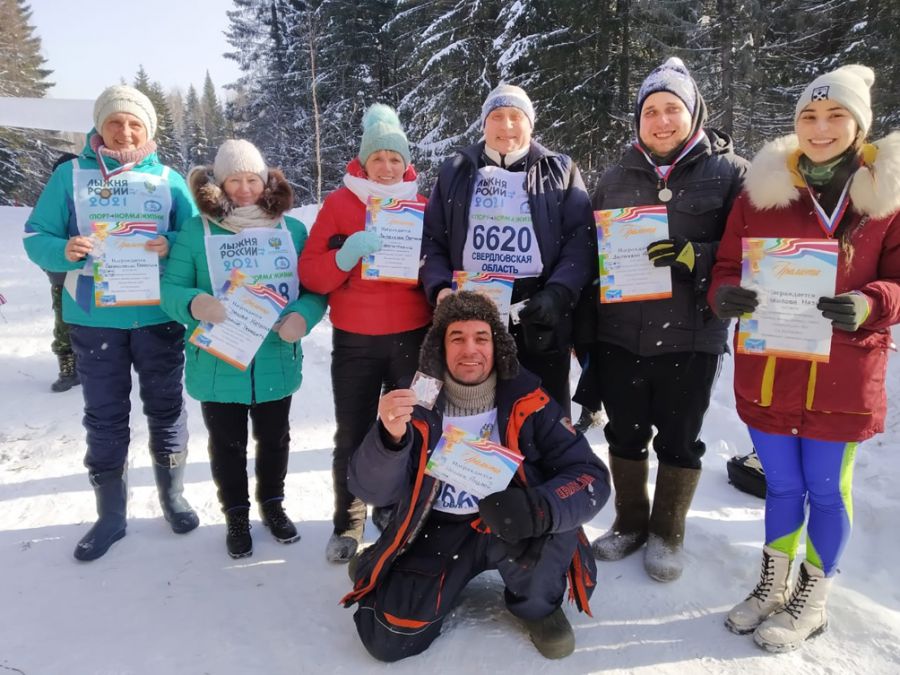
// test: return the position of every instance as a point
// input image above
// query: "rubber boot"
(675, 486)
(803, 617)
(169, 473)
(771, 593)
(68, 376)
(111, 495)
(629, 531)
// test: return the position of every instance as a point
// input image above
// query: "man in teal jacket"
(118, 185)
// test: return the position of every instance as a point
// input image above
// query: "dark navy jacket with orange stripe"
(559, 463)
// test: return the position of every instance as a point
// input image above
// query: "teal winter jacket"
(275, 371)
(53, 221)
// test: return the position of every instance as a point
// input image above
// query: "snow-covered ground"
(161, 603)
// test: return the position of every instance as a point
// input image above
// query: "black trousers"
(553, 369)
(362, 367)
(227, 427)
(670, 392)
(404, 614)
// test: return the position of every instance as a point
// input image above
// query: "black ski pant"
(227, 427)
(404, 614)
(362, 367)
(670, 392)
(553, 369)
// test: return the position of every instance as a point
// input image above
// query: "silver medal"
(665, 194)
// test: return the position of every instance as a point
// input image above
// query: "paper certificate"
(125, 272)
(493, 285)
(626, 273)
(251, 312)
(399, 224)
(789, 276)
(476, 465)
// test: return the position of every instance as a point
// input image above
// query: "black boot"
(169, 473)
(68, 376)
(274, 517)
(111, 495)
(238, 540)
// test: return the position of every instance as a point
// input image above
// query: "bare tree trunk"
(726, 22)
(315, 105)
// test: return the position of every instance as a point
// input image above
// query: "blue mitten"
(358, 244)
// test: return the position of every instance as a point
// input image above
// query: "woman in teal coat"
(242, 226)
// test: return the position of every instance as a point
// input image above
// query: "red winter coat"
(357, 306)
(844, 399)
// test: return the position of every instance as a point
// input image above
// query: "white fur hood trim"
(875, 190)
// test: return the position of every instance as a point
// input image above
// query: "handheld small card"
(514, 310)
(426, 388)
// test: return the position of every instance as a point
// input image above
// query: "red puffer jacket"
(357, 306)
(844, 399)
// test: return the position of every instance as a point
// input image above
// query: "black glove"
(515, 514)
(542, 317)
(733, 301)
(847, 311)
(677, 253)
(546, 307)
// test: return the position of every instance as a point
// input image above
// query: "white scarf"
(247, 217)
(364, 188)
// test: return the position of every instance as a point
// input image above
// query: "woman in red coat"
(807, 418)
(378, 325)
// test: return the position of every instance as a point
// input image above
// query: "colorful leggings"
(800, 470)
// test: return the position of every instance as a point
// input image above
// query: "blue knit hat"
(673, 77)
(507, 96)
(382, 131)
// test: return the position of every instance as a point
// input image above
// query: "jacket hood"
(774, 181)
(276, 200)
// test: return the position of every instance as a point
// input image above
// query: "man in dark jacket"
(441, 536)
(656, 361)
(481, 218)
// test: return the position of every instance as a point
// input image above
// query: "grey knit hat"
(467, 306)
(122, 98)
(673, 77)
(382, 131)
(849, 86)
(239, 156)
(507, 96)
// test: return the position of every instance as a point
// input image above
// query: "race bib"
(501, 233)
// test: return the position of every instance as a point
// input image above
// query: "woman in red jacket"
(378, 325)
(807, 418)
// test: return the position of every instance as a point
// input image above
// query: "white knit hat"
(122, 98)
(239, 156)
(849, 86)
(507, 96)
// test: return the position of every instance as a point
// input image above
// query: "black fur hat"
(467, 306)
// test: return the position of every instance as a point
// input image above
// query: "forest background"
(310, 68)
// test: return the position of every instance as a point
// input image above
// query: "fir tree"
(26, 155)
(213, 116)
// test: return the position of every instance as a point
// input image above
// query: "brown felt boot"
(629, 531)
(674, 491)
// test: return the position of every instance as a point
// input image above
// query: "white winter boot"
(771, 593)
(802, 617)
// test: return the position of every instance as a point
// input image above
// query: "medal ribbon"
(664, 175)
(107, 173)
(829, 223)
